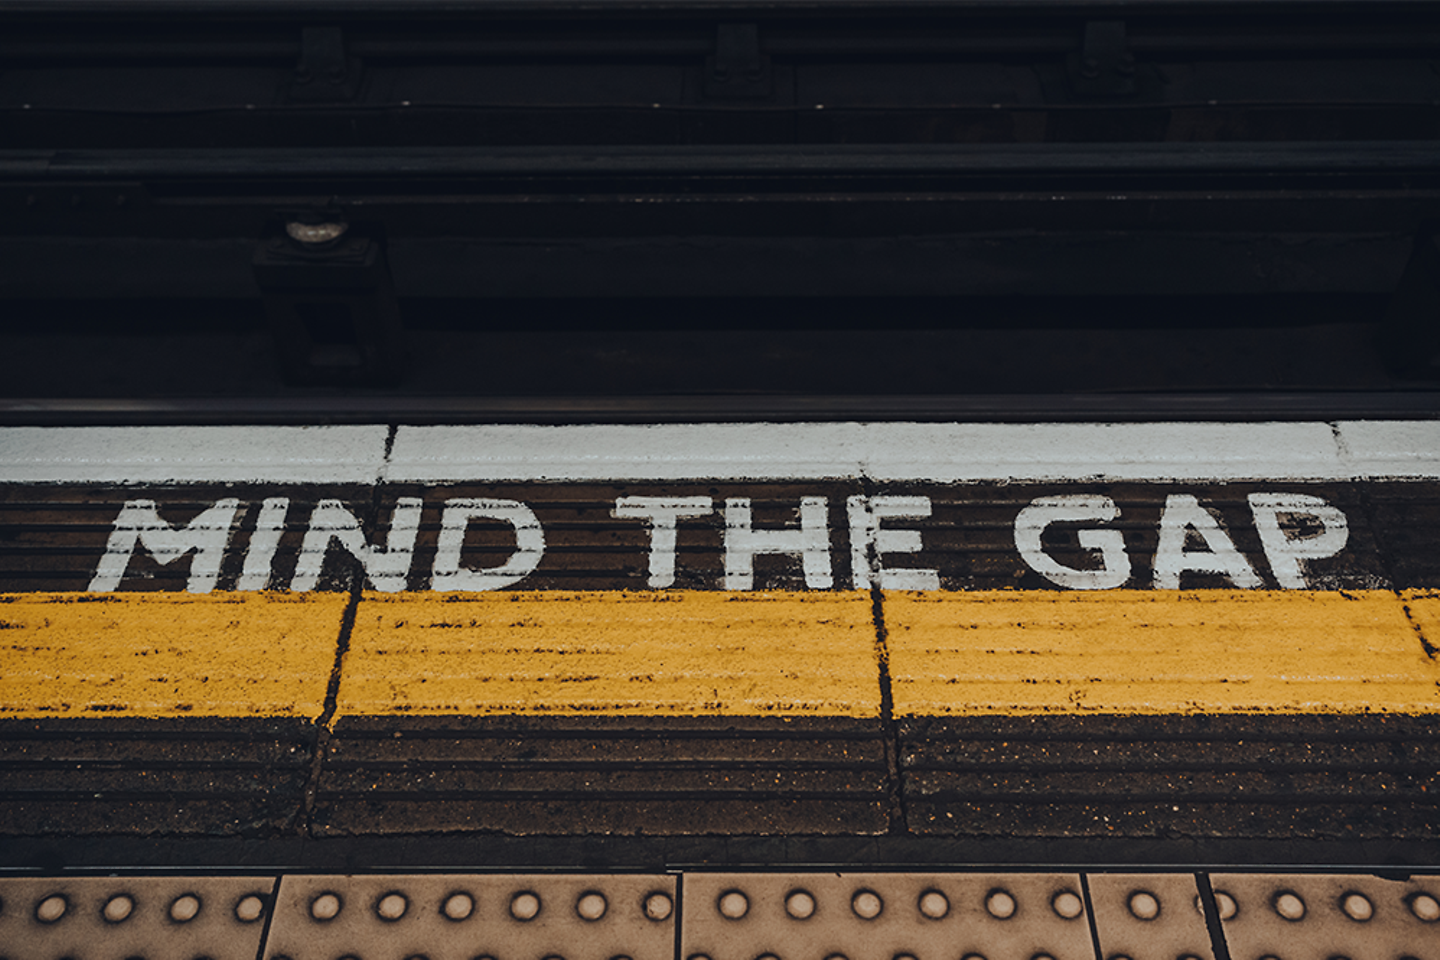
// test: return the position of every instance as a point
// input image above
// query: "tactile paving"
(1149, 916)
(462, 917)
(876, 916)
(120, 918)
(1329, 916)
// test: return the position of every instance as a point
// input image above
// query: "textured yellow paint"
(661, 653)
(1132, 651)
(696, 653)
(166, 654)
(1424, 609)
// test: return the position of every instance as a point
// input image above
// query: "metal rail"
(353, 408)
(230, 7)
(538, 163)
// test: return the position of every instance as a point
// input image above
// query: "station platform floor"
(1083, 662)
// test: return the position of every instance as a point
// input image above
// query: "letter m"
(140, 523)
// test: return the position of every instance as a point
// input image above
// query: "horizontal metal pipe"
(618, 409)
(300, 8)
(1008, 160)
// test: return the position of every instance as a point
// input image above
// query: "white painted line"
(944, 452)
(1391, 448)
(1103, 451)
(720, 451)
(886, 452)
(333, 454)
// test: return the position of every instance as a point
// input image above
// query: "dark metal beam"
(412, 7)
(1231, 406)
(1007, 160)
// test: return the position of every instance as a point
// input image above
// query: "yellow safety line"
(1158, 652)
(661, 653)
(677, 653)
(1423, 609)
(166, 654)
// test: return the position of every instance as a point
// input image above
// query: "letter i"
(260, 553)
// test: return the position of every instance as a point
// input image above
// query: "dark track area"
(920, 354)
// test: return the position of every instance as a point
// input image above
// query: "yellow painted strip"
(1158, 652)
(656, 653)
(166, 654)
(1424, 609)
(676, 653)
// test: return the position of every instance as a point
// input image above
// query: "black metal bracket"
(330, 302)
(1104, 67)
(324, 72)
(738, 70)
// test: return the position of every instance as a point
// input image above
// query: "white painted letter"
(1030, 526)
(1284, 552)
(868, 542)
(529, 545)
(1182, 514)
(386, 569)
(663, 514)
(811, 542)
(139, 522)
(263, 542)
